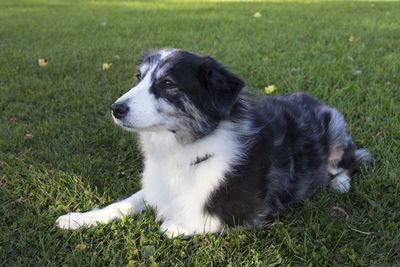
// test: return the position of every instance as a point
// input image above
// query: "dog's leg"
(172, 230)
(194, 225)
(131, 205)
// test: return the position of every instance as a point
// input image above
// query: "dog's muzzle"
(120, 110)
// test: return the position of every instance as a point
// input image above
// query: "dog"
(216, 156)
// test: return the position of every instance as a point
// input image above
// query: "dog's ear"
(221, 88)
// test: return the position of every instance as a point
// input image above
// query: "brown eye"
(168, 83)
(138, 75)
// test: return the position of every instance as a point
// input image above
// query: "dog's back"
(300, 142)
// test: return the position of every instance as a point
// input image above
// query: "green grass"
(78, 158)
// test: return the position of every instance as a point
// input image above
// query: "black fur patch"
(286, 163)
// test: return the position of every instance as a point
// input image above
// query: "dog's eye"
(138, 75)
(168, 83)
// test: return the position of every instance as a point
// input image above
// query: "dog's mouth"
(120, 122)
(130, 127)
(127, 126)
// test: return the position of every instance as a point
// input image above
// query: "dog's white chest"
(178, 180)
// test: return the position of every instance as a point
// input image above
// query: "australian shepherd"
(216, 156)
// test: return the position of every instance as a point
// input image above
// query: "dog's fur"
(216, 156)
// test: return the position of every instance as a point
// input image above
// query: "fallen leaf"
(101, 242)
(30, 92)
(20, 200)
(42, 62)
(29, 136)
(342, 211)
(81, 246)
(47, 171)
(23, 153)
(134, 251)
(352, 39)
(269, 89)
(3, 181)
(257, 15)
(106, 66)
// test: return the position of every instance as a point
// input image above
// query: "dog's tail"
(362, 157)
(353, 158)
(343, 152)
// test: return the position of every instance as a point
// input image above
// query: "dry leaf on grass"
(3, 181)
(270, 89)
(106, 66)
(42, 62)
(23, 153)
(81, 246)
(134, 251)
(20, 200)
(28, 136)
(47, 171)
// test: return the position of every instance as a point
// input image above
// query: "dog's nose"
(119, 110)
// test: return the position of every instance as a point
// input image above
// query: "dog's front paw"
(171, 230)
(75, 220)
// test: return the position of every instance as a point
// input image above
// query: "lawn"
(61, 152)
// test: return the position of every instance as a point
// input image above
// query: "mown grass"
(60, 152)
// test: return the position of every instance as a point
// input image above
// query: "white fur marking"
(341, 183)
(177, 188)
(131, 205)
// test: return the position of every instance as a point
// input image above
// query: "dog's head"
(180, 92)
